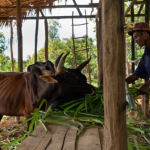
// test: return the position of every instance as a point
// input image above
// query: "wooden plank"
(114, 74)
(19, 33)
(30, 139)
(57, 140)
(47, 138)
(49, 17)
(69, 143)
(39, 139)
(89, 140)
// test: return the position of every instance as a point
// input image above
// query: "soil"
(11, 130)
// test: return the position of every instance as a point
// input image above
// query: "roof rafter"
(59, 6)
(77, 8)
(50, 17)
(129, 8)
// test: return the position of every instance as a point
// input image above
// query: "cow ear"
(48, 79)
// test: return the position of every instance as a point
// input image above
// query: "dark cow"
(20, 93)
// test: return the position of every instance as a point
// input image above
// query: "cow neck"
(45, 89)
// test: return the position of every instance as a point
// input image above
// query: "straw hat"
(142, 26)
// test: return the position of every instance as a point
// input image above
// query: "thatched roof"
(11, 12)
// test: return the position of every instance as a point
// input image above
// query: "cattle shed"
(110, 22)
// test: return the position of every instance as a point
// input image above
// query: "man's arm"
(144, 88)
(131, 79)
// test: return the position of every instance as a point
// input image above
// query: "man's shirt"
(143, 69)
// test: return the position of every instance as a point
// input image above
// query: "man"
(141, 35)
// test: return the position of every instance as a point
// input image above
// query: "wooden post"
(146, 96)
(46, 40)
(87, 50)
(97, 37)
(132, 40)
(100, 48)
(11, 48)
(114, 73)
(73, 42)
(142, 99)
(19, 32)
(36, 34)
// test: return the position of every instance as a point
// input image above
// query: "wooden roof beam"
(129, 8)
(141, 7)
(138, 2)
(77, 8)
(50, 17)
(59, 6)
(136, 15)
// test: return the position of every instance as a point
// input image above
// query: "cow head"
(68, 86)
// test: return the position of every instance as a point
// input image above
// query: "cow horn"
(81, 66)
(60, 67)
(57, 61)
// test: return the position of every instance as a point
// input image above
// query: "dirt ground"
(10, 131)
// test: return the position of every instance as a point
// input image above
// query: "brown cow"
(20, 93)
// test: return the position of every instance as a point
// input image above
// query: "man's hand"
(131, 79)
(144, 88)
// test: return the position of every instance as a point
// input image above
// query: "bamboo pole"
(36, 34)
(114, 74)
(46, 40)
(11, 47)
(19, 32)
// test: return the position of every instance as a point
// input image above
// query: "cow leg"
(17, 119)
(28, 123)
(1, 116)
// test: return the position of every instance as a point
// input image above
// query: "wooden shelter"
(111, 52)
